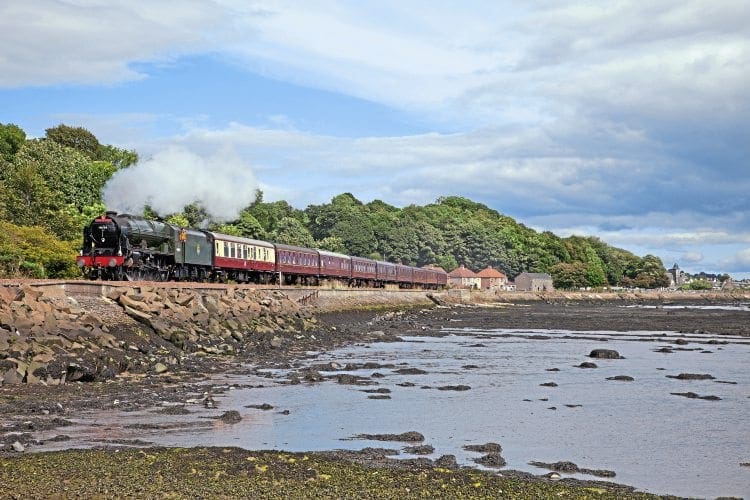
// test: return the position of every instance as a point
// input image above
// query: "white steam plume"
(176, 177)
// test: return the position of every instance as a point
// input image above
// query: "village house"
(534, 282)
(491, 278)
(463, 277)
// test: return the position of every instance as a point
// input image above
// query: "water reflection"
(652, 439)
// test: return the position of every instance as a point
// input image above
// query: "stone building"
(534, 282)
(676, 276)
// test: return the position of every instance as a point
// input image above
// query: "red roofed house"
(492, 278)
(464, 278)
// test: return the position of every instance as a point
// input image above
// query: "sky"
(625, 120)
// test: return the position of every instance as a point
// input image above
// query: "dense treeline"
(53, 187)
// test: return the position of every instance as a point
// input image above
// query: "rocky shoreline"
(139, 346)
(51, 337)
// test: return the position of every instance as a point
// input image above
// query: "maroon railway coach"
(297, 265)
(335, 266)
(364, 272)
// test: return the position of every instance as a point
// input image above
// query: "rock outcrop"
(48, 337)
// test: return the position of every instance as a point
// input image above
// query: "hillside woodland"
(52, 187)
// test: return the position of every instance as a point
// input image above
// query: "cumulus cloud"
(692, 257)
(740, 261)
(222, 183)
(48, 42)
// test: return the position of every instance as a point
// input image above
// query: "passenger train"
(127, 247)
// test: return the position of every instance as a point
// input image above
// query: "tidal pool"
(652, 439)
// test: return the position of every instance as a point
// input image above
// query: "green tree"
(290, 231)
(32, 251)
(332, 244)
(74, 178)
(649, 272)
(196, 215)
(447, 262)
(323, 218)
(27, 199)
(269, 215)
(179, 219)
(569, 275)
(249, 226)
(354, 229)
(77, 138)
(226, 228)
(12, 138)
(698, 285)
(119, 158)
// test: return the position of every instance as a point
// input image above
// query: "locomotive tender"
(127, 247)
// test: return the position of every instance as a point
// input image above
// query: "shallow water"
(653, 440)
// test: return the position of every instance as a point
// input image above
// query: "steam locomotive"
(126, 247)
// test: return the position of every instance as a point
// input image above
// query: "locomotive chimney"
(111, 213)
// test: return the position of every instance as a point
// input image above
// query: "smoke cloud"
(223, 184)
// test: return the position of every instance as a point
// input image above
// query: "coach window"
(226, 249)
(218, 251)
